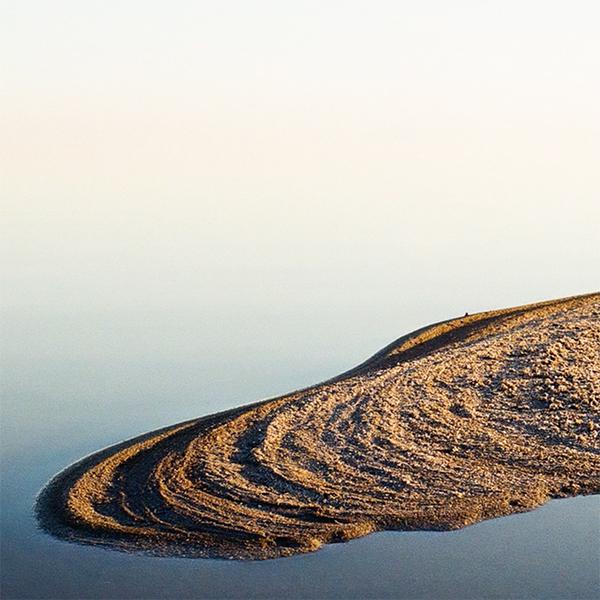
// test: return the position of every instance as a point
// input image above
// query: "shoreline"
(232, 485)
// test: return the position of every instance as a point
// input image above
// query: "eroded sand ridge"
(474, 418)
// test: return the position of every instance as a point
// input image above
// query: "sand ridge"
(469, 419)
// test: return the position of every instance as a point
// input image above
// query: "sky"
(351, 160)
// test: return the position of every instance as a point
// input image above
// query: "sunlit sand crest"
(469, 419)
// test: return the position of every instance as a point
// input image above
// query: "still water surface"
(73, 386)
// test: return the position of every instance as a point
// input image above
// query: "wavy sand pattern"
(473, 418)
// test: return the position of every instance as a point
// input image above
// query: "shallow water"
(70, 386)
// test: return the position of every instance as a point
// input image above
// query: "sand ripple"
(474, 418)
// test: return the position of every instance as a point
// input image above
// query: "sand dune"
(473, 418)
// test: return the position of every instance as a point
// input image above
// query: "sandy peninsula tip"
(473, 418)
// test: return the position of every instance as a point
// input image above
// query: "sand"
(469, 419)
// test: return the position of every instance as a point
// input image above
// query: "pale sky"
(178, 153)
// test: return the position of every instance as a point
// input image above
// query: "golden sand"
(473, 418)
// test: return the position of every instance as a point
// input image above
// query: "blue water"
(73, 385)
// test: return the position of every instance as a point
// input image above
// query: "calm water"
(74, 383)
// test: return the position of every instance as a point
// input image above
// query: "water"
(73, 383)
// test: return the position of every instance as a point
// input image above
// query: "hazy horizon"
(384, 164)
